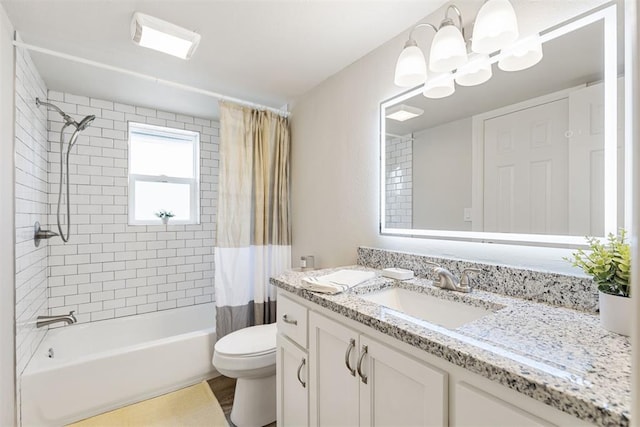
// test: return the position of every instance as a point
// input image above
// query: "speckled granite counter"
(558, 356)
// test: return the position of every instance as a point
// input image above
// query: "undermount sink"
(448, 314)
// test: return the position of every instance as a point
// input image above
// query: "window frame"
(194, 183)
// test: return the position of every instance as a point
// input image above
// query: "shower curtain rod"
(148, 77)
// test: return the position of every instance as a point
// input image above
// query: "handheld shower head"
(85, 123)
(79, 127)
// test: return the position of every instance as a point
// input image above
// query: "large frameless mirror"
(533, 156)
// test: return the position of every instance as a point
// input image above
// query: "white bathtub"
(104, 365)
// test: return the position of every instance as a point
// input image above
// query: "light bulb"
(448, 49)
(476, 71)
(439, 85)
(524, 54)
(411, 67)
(496, 27)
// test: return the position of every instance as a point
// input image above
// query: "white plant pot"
(615, 313)
(165, 220)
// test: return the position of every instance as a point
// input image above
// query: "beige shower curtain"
(253, 236)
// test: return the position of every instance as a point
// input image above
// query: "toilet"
(249, 355)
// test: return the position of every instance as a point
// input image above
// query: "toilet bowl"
(249, 355)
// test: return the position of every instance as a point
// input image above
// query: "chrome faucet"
(48, 320)
(447, 280)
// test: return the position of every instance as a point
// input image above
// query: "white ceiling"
(265, 51)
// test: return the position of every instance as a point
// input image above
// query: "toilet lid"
(251, 341)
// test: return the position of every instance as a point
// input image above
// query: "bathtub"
(100, 366)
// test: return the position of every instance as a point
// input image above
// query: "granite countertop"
(559, 356)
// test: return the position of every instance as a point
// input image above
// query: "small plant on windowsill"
(610, 266)
(164, 215)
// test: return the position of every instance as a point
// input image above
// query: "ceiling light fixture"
(154, 33)
(403, 112)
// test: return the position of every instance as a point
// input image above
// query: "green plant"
(608, 263)
(164, 214)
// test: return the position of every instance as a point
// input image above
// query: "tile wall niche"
(111, 269)
(31, 205)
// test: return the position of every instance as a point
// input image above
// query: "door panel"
(334, 391)
(293, 395)
(525, 167)
(399, 390)
(475, 408)
(586, 159)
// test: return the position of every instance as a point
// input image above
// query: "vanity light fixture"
(154, 33)
(496, 27)
(440, 85)
(411, 67)
(403, 112)
(448, 48)
(524, 54)
(477, 71)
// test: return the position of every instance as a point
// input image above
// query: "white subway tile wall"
(399, 185)
(31, 148)
(111, 269)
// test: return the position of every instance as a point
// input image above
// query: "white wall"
(108, 268)
(31, 205)
(442, 171)
(7, 230)
(335, 159)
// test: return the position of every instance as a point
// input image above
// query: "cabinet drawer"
(292, 320)
(476, 408)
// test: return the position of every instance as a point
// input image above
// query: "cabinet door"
(475, 408)
(292, 384)
(334, 386)
(397, 390)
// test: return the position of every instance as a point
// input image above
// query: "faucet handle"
(72, 314)
(465, 280)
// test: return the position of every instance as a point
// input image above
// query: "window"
(164, 174)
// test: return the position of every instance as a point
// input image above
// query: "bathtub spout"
(48, 320)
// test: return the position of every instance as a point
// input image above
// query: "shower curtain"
(253, 236)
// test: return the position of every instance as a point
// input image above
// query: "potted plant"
(164, 215)
(609, 264)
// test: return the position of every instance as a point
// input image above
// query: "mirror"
(534, 156)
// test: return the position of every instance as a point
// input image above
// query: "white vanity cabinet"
(333, 371)
(333, 355)
(359, 381)
(292, 383)
(292, 364)
(400, 391)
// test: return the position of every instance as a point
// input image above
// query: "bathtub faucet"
(48, 320)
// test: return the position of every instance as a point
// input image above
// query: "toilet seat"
(251, 349)
(249, 342)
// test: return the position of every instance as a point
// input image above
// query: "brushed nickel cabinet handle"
(304, 362)
(363, 377)
(347, 354)
(289, 321)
